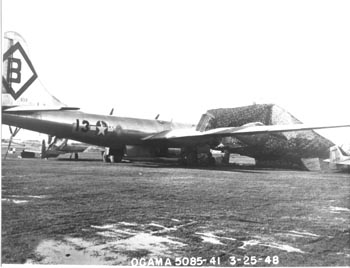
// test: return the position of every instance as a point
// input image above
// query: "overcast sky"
(181, 58)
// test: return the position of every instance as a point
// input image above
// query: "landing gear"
(192, 158)
(105, 157)
(161, 151)
(188, 157)
(113, 155)
(211, 160)
(197, 157)
(116, 155)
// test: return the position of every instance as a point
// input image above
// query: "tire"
(212, 161)
(116, 155)
(191, 159)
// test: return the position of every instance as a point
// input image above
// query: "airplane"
(57, 146)
(294, 150)
(27, 104)
(22, 148)
(54, 148)
(338, 159)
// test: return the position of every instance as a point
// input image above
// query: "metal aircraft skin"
(26, 104)
(62, 146)
(46, 150)
(338, 158)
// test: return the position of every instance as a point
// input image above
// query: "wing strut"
(13, 134)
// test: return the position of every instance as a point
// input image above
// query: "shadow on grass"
(179, 166)
(173, 163)
(77, 160)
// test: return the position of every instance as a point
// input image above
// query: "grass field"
(88, 212)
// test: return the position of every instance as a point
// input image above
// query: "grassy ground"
(301, 217)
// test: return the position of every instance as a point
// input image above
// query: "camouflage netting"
(291, 146)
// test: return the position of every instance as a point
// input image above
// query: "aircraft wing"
(346, 162)
(197, 136)
(32, 147)
(24, 109)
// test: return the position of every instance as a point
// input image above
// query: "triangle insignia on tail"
(13, 73)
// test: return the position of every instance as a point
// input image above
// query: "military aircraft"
(57, 146)
(53, 148)
(27, 104)
(338, 158)
(21, 148)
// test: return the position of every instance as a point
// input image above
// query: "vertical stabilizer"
(337, 155)
(338, 159)
(20, 83)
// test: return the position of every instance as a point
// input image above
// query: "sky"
(181, 58)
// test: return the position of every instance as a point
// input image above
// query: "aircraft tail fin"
(337, 155)
(21, 87)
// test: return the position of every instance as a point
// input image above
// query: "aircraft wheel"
(117, 155)
(211, 161)
(182, 161)
(191, 159)
(117, 158)
(76, 156)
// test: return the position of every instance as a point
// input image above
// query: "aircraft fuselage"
(101, 130)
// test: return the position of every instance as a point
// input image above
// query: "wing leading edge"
(197, 136)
